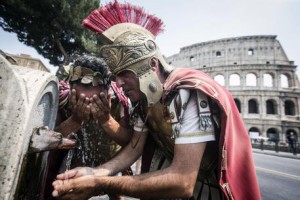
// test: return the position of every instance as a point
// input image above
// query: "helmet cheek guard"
(151, 86)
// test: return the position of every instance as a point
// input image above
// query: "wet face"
(87, 89)
(130, 85)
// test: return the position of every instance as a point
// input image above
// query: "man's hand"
(76, 189)
(78, 183)
(75, 173)
(80, 108)
(100, 107)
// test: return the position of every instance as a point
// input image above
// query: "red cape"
(236, 168)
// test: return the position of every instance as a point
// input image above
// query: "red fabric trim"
(122, 98)
(239, 170)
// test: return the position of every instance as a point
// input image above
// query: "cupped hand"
(100, 107)
(76, 173)
(80, 108)
(76, 189)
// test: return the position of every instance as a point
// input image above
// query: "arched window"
(251, 79)
(254, 133)
(271, 107)
(272, 134)
(254, 129)
(250, 52)
(289, 107)
(192, 58)
(220, 79)
(238, 104)
(252, 106)
(284, 80)
(218, 54)
(234, 80)
(268, 80)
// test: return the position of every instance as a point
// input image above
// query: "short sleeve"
(196, 125)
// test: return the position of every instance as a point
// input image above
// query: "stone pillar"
(28, 99)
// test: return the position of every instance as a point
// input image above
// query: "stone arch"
(219, 78)
(289, 107)
(251, 79)
(285, 80)
(271, 107)
(238, 104)
(250, 52)
(268, 79)
(254, 133)
(255, 129)
(273, 134)
(253, 106)
(192, 58)
(234, 79)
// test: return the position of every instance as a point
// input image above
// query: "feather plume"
(114, 13)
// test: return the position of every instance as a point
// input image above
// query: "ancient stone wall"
(258, 73)
(28, 99)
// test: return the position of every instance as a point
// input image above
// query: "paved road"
(278, 154)
(278, 175)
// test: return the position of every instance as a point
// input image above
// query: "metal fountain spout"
(44, 139)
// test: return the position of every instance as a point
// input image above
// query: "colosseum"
(258, 73)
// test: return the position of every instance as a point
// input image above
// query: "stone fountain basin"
(28, 99)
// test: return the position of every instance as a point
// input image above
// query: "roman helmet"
(128, 33)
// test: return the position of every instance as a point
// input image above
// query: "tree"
(52, 27)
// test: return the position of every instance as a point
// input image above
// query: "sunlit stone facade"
(258, 73)
(25, 60)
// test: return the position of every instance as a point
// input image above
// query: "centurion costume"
(227, 168)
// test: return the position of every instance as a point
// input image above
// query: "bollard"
(28, 99)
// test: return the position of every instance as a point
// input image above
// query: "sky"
(194, 21)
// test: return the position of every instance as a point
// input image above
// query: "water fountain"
(28, 99)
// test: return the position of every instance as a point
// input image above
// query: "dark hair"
(92, 62)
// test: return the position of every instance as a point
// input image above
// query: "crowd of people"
(128, 104)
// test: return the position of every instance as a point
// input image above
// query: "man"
(292, 143)
(90, 114)
(184, 123)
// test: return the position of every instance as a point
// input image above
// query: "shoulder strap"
(176, 109)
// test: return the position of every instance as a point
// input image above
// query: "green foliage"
(52, 27)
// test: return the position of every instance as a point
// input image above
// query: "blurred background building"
(261, 78)
(25, 60)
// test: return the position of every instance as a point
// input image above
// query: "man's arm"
(80, 112)
(124, 159)
(176, 181)
(101, 111)
(117, 131)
